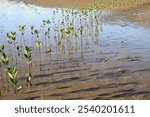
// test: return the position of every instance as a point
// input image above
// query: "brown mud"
(63, 3)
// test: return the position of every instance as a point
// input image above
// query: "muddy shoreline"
(63, 3)
(102, 4)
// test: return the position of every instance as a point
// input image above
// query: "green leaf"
(8, 38)
(36, 32)
(49, 50)
(19, 89)
(5, 59)
(13, 35)
(18, 48)
(13, 81)
(38, 43)
(2, 47)
(12, 72)
(21, 27)
(27, 52)
(58, 43)
(31, 27)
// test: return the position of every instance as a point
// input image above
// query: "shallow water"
(115, 63)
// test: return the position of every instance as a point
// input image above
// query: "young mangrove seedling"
(37, 33)
(4, 59)
(21, 28)
(27, 54)
(31, 29)
(13, 35)
(18, 50)
(49, 32)
(49, 51)
(58, 43)
(2, 47)
(9, 39)
(38, 44)
(12, 73)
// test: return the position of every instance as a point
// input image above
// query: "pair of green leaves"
(12, 73)
(27, 54)
(4, 59)
(11, 37)
(2, 47)
(21, 27)
(38, 43)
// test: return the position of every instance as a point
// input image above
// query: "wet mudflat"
(105, 56)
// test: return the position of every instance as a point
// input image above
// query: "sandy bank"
(63, 3)
(103, 4)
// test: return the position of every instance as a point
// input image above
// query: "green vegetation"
(59, 39)
(64, 32)
(27, 54)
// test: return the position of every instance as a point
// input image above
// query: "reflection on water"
(13, 13)
(94, 54)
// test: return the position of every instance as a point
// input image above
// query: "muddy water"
(111, 61)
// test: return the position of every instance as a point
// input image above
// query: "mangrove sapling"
(31, 29)
(48, 22)
(18, 52)
(76, 43)
(2, 47)
(4, 58)
(5, 61)
(81, 33)
(42, 29)
(38, 44)
(36, 32)
(21, 28)
(59, 43)
(68, 35)
(44, 22)
(12, 73)
(49, 52)
(49, 32)
(27, 54)
(13, 37)
(46, 34)
(9, 40)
